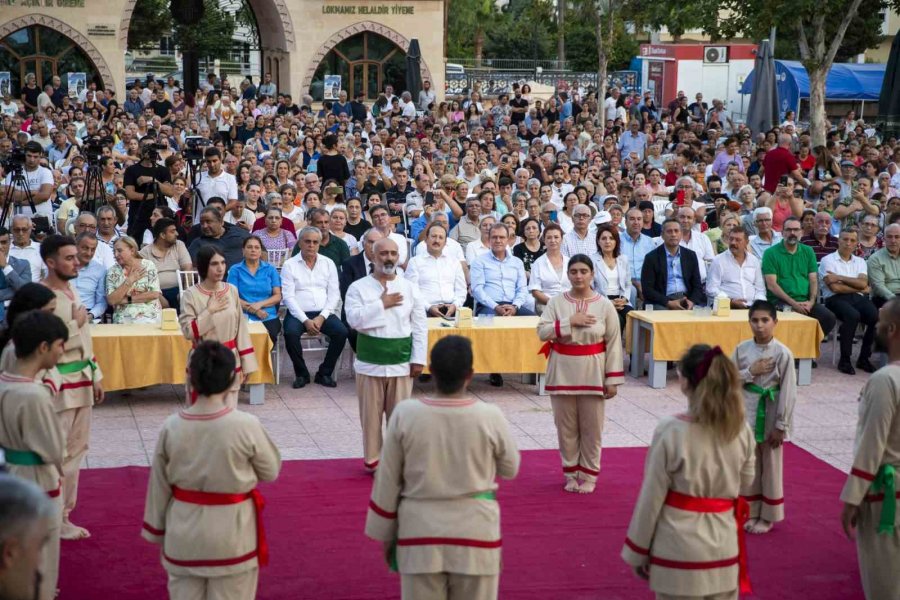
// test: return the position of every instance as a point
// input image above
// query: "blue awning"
(845, 81)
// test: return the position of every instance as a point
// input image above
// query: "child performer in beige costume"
(202, 503)
(581, 330)
(434, 503)
(872, 492)
(770, 390)
(687, 532)
(30, 434)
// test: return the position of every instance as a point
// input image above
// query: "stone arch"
(343, 34)
(276, 29)
(73, 34)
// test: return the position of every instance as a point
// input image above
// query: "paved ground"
(317, 422)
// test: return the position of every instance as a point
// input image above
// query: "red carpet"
(556, 545)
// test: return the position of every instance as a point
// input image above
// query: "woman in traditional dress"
(686, 534)
(211, 310)
(584, 368)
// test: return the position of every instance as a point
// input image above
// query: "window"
(45, 53)
(167, 46)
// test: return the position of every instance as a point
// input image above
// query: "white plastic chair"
(187, 279)
(277, 257)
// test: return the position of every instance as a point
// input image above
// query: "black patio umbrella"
(414, 69)
(762, 114)
(889, 101)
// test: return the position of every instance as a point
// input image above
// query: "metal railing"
(509, 64)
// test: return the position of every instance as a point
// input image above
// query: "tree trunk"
(446, 27)
(817, 118)
(602, 62)
(479, 46)
(561, 33)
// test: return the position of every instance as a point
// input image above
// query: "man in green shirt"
(790, 270)
(331, 246)
(884, 267)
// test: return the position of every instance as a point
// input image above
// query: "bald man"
(388, 314)
(870, 494)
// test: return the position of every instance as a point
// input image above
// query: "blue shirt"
(565, 110)
(674, 278)
(629, 143)
(91, 286)
(497, 281)
(255, 288)
(636, 251)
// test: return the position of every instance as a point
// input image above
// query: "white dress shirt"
(440, 280)
(833, 263)
(31, 253)
(573, 244)
(223, 185)
(104, 254)
(739, 282)
(452, 248)
(546, 278)
(310, 290)
(702, 247)
(474, 250)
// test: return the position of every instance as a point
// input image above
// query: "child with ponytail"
(686, 534)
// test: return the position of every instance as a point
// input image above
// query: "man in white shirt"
(439, 277)
(309, 286)
(87, 223)
(381, 220)
(609, 105)
(407, 106)
(579, 240)
(107, 233)
(737, 273)
(845, 288)
(215, 181)
(480, 246)
(766, 237)
(694, 240)
(25, 248)
(40, 184)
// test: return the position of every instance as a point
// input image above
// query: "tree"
(581, 41)
(467, 25)
(523, 29)
(151, 19)
(821, 28)
(604, 18)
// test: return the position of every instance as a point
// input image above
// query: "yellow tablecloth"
(507, 345)
(133, 356)
(677, 330)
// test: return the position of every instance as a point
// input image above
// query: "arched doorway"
(46, 53)
(366, 63)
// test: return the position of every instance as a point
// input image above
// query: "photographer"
(38, 178)
(215, 182)
(146, 183)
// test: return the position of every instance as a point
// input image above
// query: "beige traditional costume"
(203, 506)
(769, 402)
(33, 445)
(388, 340)
(872, 484)
(581, 362)
(228, 327)
(435, 496)
(688, 524)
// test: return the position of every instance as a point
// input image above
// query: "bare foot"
(750, 524)
(760, 527)
(571, 484)
(587, 487)
(70, 531)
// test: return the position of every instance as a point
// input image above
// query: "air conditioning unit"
(715, 54)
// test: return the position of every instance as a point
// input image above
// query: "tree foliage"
(523, 29)
(467, 20)
(581, 45)
(152, 19)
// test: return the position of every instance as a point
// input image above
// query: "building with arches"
(301, 41)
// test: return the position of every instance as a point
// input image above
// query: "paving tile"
(120, 460)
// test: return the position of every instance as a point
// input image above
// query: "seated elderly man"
(845, 287)
(440, 277)
(91, 279)
(330, 245)
(635, 246)
(736, 272)
(87, 223)
(580, 239)
(884, 267)
(25, 248)
(821, 240)
(670, 277)
(765, 237)
(16, 272)
(692, 239)
(228, 240)
(311, 292)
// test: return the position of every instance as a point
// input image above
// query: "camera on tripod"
(194, 146)
(15, 162)
(93, 148)
(151, 151)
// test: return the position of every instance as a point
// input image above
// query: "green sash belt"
(765, 395)
(75, 366)
(23, 458)
(392, 559)
(383, 351)
(884, 484)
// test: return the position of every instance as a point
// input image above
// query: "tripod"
(194, 174)
(94, 192)
(17, 180)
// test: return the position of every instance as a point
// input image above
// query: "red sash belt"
(217, 499)
(572, 349)
(230, 344)
(716, 505)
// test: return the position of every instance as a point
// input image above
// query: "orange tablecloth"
(507, 345)
(133, 356)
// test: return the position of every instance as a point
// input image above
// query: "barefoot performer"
(391, 345)
(434, 503)
(31, 437)
(770, 391)
(211, 311)
(584, 369)
(79, 373)
(687, 531)
(202, 503)
(872, 490)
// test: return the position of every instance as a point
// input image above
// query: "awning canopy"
(845, 81)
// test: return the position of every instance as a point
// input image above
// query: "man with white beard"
(388, 314)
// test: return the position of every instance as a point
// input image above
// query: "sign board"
(5, 83)
(332, 87)
(77, 83)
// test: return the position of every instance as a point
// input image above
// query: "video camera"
(194, 146)
(151, 151)
(93, 147)
(15, 161)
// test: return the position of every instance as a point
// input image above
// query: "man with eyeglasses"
(25, 248)
(766, 237)
(87, 223)
(579, 240)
